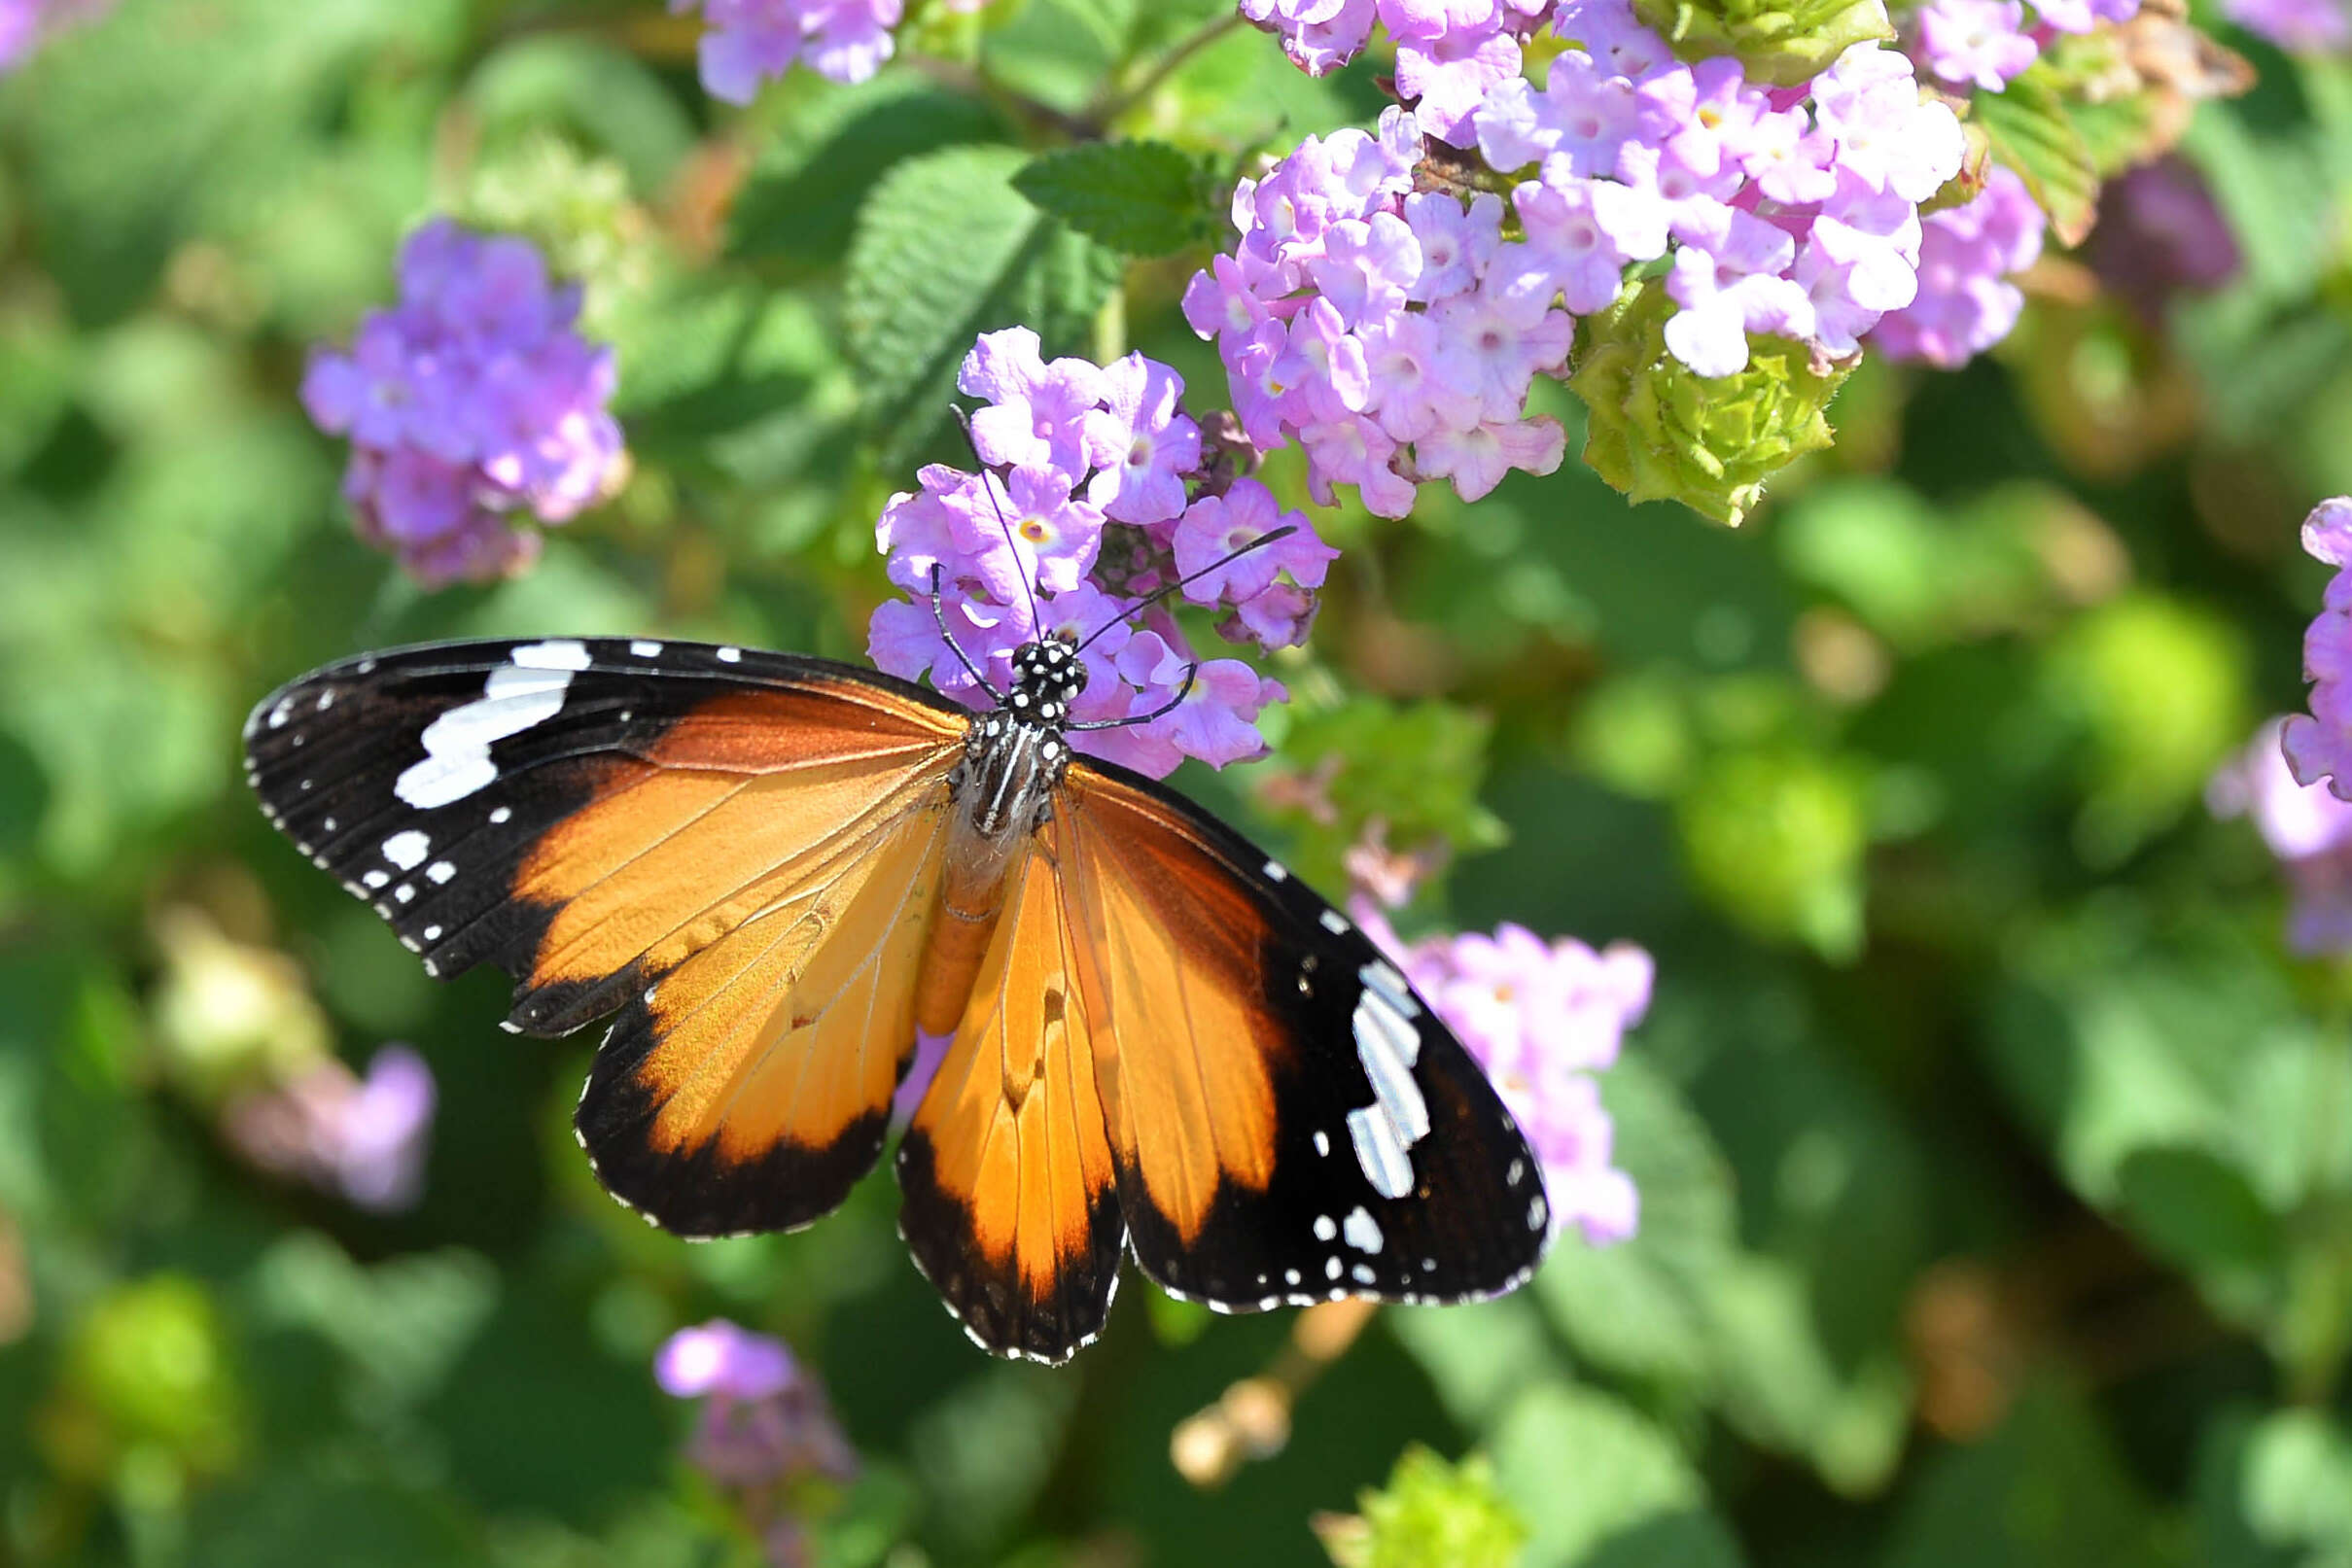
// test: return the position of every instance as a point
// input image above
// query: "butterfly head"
(1048, 678)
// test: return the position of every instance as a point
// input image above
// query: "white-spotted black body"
(1016, 754)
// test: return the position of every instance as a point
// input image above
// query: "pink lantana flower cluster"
(1988, 44)
(1542, 1018)
(1093, 494)
(1788, 212)
(473, 399)
(1367, 321)
(753, 42)
(1394, 328)
(1448, 51)
(362, 1138)
(764, 1434)
(1966, 302)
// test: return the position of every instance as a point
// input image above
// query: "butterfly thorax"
(1014, 757)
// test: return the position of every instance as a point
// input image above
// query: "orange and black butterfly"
(775, 870)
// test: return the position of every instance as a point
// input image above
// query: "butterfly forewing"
(1291, 1123)
(731, 848)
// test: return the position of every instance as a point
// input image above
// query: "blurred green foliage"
(1995, 1159)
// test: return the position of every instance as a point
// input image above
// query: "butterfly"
(774, 870)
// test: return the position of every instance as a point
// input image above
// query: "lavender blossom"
(364, 1139)
(754, 42)
(470, 400)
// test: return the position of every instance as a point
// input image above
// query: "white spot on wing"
(1274, 872)
(1363, 1274)
(646, 650)
(1332, 1268)
(1324, 1229)
(457, 744)
(561, 653)
(1380, 1152)
(440, 871)
(499, 814)
(407, 849)
(729, 655)
(1362, 1231)
(1380, 975)
(1322, 1142)
(1336, 922)
(374, 879)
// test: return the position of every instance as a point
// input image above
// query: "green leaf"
(1141, 199)
(2031, 132)
(946, 249)
(1597, 1483)
(800, 205)
(1637, 1308)
(2204, 1217)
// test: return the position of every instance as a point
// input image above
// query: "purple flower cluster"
(1092, 495)
(2306, 827)
(1393, 332)
(474, 398)
(750, 42)
(2318, 745)
(763, 1426)
(364, 1139)
(2298, 26)
(1965, 303)
(1371, 323)
(1448, 51)
(24, 23)
(1542, 1018)
(1789, 212)
(1986, 43)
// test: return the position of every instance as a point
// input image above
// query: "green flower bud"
(1782, 42)
(1431, 1512)
(1659, 432)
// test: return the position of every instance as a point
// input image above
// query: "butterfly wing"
(1011, 1203)
(1289, 1122)
(732, 849)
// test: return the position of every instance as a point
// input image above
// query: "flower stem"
(1112, 103)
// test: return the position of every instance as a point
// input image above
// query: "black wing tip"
(993, 1314)
(697, 1194)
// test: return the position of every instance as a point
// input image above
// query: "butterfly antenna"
(1222, 561)
(939, 614)
(988, 482)
(1192, 673)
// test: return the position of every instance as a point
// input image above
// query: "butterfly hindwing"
(1012, 1205)
(1291, 1121)
(732, 849)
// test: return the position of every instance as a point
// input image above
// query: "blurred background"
(1992, 1122)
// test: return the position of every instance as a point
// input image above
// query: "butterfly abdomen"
(1002, 792)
